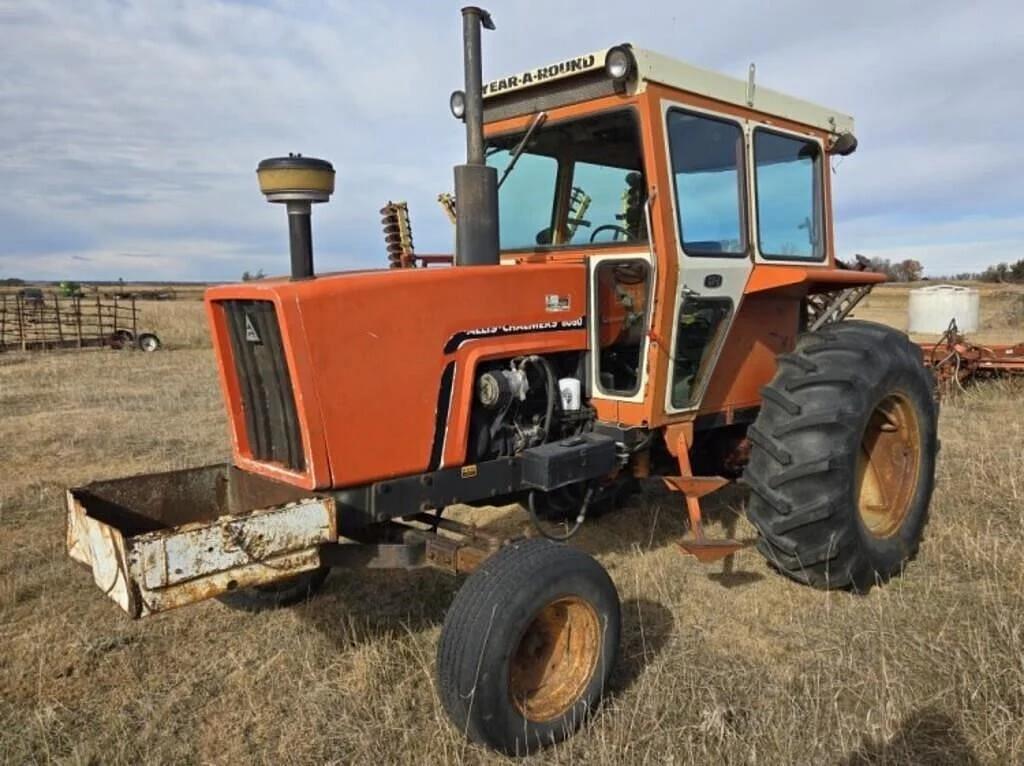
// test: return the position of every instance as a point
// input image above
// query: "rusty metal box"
(163, 540)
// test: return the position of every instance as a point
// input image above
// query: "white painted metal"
(693, 270)
(931, 308)
(655, 67)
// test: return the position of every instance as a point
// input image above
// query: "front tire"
(528, 645)
(842, 463)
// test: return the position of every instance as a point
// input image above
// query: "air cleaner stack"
(298, 182)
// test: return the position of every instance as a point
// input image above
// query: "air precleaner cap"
(296, 179)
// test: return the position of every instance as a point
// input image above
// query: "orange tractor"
(644, 285)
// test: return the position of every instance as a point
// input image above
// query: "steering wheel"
(612, 227)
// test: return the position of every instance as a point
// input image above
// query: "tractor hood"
(346, 379)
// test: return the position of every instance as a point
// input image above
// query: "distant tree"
(908, 270)
(1004, 272)
(252, 277)
(882, 266)
(997, 273)
(12, 282)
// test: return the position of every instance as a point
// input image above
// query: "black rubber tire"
(148, 342)
(482, 630)
(805, 446)
(121, 339)
(288, 592)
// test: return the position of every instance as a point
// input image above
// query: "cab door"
(707, 155)
(620, 304)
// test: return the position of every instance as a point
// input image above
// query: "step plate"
(708, 551)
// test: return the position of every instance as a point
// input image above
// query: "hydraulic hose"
(580, 517)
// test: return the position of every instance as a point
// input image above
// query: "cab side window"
(702, 323)
(787, 174)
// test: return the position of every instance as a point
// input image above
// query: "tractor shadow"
(656, 518)
(389, 606)
(647, 628)
(368, 605)
(925, 736)
(358, 607)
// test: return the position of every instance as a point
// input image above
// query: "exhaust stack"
(298, 182)
(476, 185)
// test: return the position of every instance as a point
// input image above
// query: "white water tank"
(932, 307)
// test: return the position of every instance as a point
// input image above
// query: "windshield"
(576, 182)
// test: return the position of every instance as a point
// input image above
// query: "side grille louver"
(265, 385)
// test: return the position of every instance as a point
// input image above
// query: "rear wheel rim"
(888, 465)
(555, 659)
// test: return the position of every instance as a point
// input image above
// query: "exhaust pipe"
(476, 185)
(298, 182)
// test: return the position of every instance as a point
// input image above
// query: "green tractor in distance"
(70, 289)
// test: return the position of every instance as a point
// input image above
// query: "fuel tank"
(349, 378)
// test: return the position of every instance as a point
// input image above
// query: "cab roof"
(665, 70)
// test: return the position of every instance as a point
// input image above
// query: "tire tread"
(804, 446)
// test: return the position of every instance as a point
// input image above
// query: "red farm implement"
(958, 361)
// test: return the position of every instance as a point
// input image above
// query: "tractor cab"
(686, 194)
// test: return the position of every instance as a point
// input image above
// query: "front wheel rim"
(555, 658)
(888, 465)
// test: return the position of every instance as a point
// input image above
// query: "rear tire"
(842, 463)
(527, 646)
(262, 598)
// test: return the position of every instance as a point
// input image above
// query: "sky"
(130, 130)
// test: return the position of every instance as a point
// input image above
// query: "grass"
(717, 667)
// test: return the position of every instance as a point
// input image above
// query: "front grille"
(266, 387)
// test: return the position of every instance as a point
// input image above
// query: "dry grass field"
(726, 667)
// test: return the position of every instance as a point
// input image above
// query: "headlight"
(619, 62)
(457, 103)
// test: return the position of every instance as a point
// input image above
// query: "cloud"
(135, 127)
(188, 260)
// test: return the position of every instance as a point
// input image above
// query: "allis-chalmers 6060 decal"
(579, 323)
